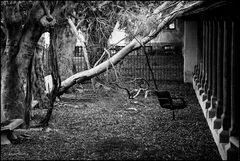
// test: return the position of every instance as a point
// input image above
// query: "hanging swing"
(164, 97)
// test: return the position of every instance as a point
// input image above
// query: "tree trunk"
(38, 85)
(53, 61)
(17, 61)
(3, 45)
(65, 45)
(12, 95)
(16, 74)
(9, 79)
(24, 61)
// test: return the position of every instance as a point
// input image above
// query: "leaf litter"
(104, 127)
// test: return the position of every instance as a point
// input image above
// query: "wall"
(169, 36)
(190, 49)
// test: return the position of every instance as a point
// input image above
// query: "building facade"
(211, 63)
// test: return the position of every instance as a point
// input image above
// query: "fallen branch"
(133, 45)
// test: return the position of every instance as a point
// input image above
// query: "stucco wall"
(190, 49)
(171, 36)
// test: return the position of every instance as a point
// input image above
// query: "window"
(171, 26)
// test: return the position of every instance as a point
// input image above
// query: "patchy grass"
(107, 125)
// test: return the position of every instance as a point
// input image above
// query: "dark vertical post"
(234, 79)
(212, 110)
(219, 103)
(196, 67)
(202, 80)
(233, 148)
(226, 116)
(200, 42)
(204, 97)
(199, 55)
(199, 73)
(209, 70)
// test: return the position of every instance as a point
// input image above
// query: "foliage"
(97, 20)
(140, 19)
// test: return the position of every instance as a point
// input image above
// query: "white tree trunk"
(82, 42)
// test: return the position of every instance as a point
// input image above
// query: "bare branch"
(103, 4)
(75, 32)
(47, 12)
(77, 18)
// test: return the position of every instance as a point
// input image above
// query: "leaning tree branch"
(133, 45)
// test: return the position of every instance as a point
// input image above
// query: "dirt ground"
(107, 125)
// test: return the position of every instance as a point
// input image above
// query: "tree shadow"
(108, 147)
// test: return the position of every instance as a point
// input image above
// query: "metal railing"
(167, 65)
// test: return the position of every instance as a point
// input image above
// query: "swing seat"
(168, 102)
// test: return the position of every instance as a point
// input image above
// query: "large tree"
(22, 34)
(23, 23)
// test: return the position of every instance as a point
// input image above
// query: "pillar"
(233, 147)
(226, 116)
(202, 67)
(219, 102)
(190, 49)
(204, 97)
(213, 99)
(197, 71)
(209, 69)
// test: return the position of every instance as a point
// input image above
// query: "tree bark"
(24, 61)
(9, 95)
(38, 85)
(12, 95)
(17, 61)
(55, 76)
(65, 45)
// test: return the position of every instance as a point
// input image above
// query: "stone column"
(204, 97)
(209, 70)
(190, 48)
(199, 56)
(212, 110)
(226, 116)
(235, 59)
(202, 72)
(219, 103)
(233, 147)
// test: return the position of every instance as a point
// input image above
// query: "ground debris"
(102, 128)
